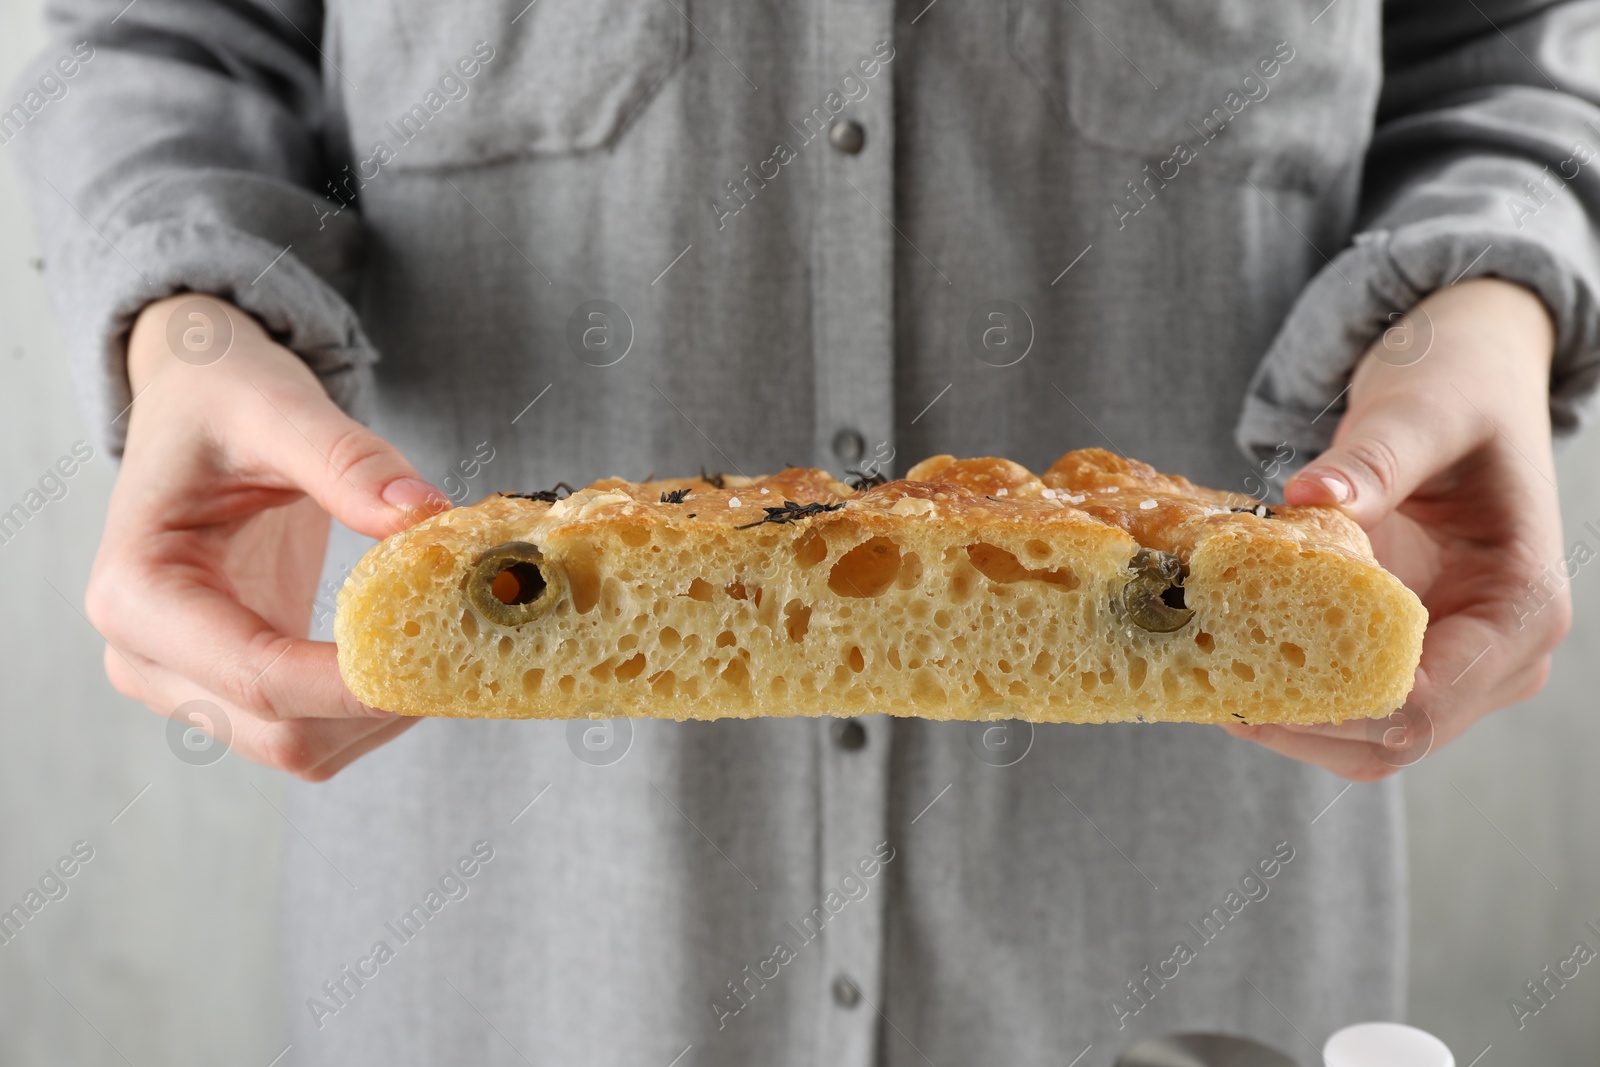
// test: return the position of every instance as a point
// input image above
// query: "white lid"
(1385, 1045)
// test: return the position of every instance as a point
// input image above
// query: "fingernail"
(408, 493)
(1334, 485)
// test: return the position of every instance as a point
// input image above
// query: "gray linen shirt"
(1052, 226)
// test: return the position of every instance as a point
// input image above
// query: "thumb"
(1379, 457)
(355, 475)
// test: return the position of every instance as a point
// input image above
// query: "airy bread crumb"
(971, 590)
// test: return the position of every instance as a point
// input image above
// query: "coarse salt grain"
(764, 492)
(1146, 505)
(734, 502)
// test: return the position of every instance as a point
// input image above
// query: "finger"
(1471, 666)
(1347, 730)
(1382, 453)
(205, 636)
(1359, 761)
(354, 474)
(313, 749)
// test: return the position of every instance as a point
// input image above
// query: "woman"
(616, 237)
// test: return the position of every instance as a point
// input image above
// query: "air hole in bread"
(998, 565)
(810, 549)
(583, 578)
(867, 570)
(736, 674)
(796, 620)
(961, 582)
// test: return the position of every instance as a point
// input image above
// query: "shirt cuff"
(1297, 394)
(273, 250)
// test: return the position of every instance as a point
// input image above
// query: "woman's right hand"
(208, 568)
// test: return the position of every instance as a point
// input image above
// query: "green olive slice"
(1153, 597)
(511, 584)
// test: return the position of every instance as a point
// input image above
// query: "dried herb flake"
(860, 480)
(790, 512)
(548, 496)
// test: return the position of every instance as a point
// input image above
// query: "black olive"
(512, 584)
(1153, 597)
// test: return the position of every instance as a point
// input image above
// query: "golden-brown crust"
(1155, 510)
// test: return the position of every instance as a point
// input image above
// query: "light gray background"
(164, 951)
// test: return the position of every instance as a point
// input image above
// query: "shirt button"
(845, 993)
(849, 446)
(850, 735)
(848, 136)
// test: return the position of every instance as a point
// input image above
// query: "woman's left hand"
(1444, 458)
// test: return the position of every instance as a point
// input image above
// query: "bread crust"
(972, 589)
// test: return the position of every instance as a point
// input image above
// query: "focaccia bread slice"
(1099, 591)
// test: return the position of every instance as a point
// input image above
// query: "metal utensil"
(1202, 1050)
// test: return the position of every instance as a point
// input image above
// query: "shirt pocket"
(1256, 85)
(432, 85)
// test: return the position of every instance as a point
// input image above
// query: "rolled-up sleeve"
(1485, 162)
(182, 147)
